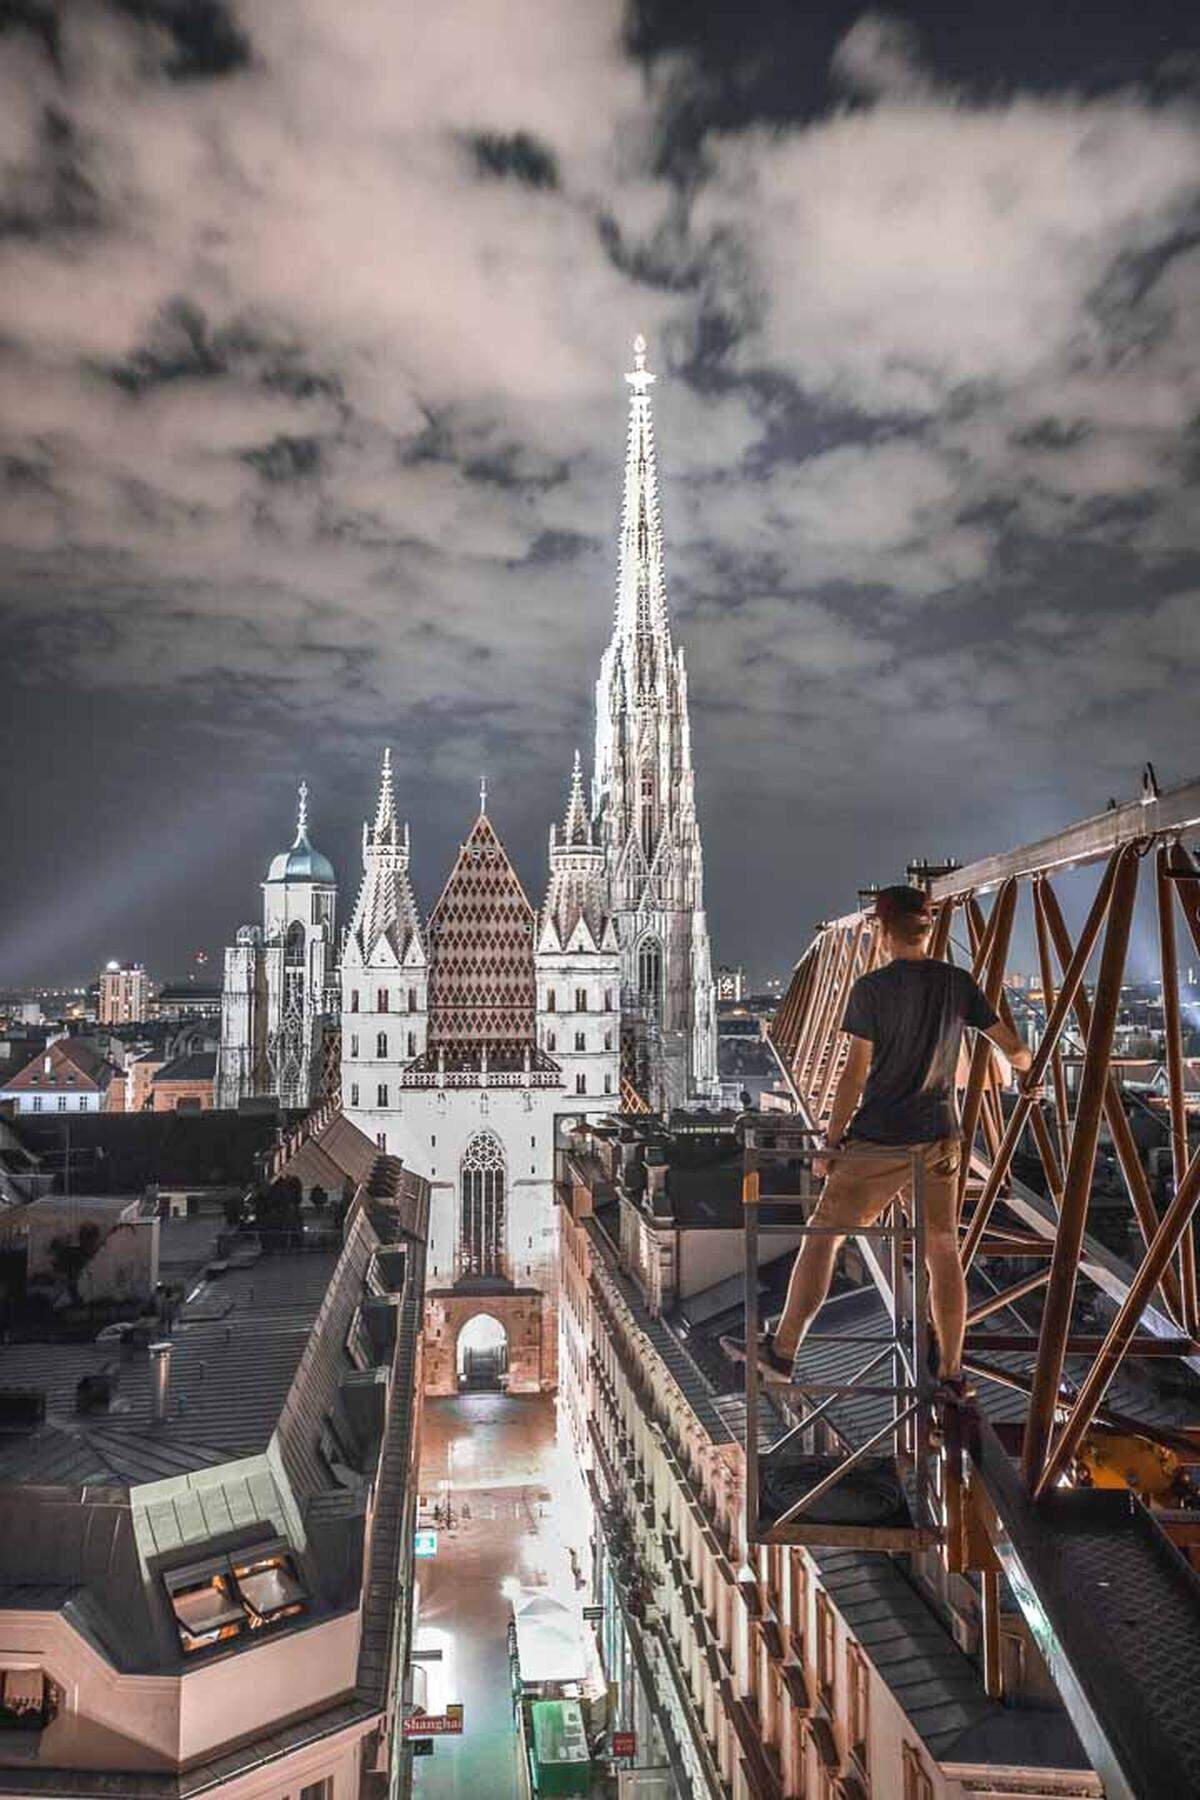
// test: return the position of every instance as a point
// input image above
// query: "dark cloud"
(206, 41)
(516, 155)
(311, 421)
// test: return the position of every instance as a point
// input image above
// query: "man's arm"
(848, 1092)
(1010, 1045)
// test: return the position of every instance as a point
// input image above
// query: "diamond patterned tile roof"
(481, 975)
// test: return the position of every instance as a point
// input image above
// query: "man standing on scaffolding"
(905, 1021)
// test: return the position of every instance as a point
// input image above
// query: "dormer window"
(270, 1588)
(220, 1599)
(206, 1606)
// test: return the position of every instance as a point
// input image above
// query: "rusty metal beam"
(1077, 1184)
(1071, 983)
(1124, 1144)
(1176, 1220)
(991, 957)
(1174, 1046)
(1176, 811)
(998, 1302)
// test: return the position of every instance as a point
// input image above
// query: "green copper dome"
(302, 862)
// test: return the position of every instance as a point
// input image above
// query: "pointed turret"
(576, 825)
(386, 910)
(577, 887)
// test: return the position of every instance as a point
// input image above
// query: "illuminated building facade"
(280, 992)
(124, 994)
(465, 1038)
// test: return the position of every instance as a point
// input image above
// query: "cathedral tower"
(385, 976)
(280, 989)
(643, 796)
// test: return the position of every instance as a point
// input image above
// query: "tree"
(318, 1199)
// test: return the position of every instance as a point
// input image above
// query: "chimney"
(160, 1382)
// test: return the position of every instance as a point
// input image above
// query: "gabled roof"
(73, 1065)
(201, 1065)
(481, 978)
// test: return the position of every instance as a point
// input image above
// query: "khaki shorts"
(860, 1186)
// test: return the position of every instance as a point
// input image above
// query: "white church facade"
(469, 1037)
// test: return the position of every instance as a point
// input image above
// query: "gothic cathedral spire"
(643, 794)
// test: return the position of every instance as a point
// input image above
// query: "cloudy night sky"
(313, 318)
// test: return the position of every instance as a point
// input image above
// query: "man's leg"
(947, 1283)
(808, 1285)
(856, 1191)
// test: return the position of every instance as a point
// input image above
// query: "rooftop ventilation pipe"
(160, 1382)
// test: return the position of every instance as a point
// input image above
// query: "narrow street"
(515, 1506)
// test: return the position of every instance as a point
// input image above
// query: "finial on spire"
(385, 812)
(302, 810)
(483, 794)
(575, 824)
(639, 377)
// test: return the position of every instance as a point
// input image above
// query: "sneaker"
(772, 1366)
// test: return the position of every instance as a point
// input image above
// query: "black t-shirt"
(912, 1012)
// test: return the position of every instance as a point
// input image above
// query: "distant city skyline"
(310, 420)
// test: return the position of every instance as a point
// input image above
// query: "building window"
(580, 999)
(381, 1098)
(799, 1603)
(647, 796)
(608, 1084)
(354, 1093)
(551, 1000)
(581, 1040)
(354, 1043)
(608, 1041)
(381, 1044)
(353, 999)
(84, 1102)
(858, 1683)
(482, 1175)
(412, 999)
(381, 1000)
(412, 1043)
(608, 999)
(220, 1598)
(318, 1790)
(918, 1785)
(29, 1700)
(381, 1141)
(650, 974)
(62, 1103)
(581, 1084)
(37, 1103)
(826, 1644)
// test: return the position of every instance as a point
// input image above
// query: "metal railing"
(895, 1368)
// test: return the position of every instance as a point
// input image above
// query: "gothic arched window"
(649, 833)
(293, 945)
(482, 1244)
(650, 973)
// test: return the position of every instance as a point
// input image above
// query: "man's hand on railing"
(823, 1157)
